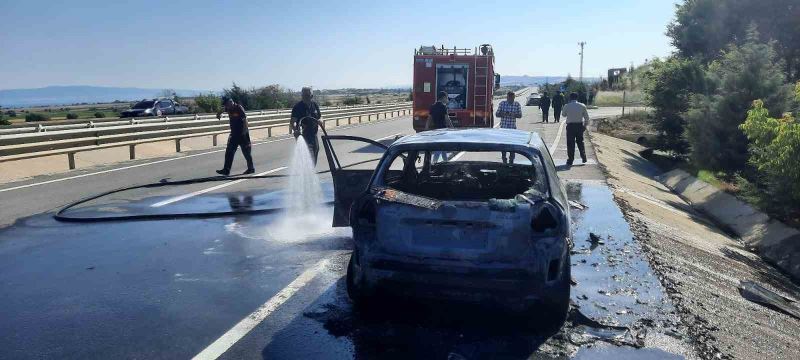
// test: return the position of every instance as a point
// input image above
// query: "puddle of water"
(615, 283)
(624, 353)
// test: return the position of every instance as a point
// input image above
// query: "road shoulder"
(698, 264)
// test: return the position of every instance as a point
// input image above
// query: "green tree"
(775, 150)
(240, 96)
(208, 103)
(705, 28)
(3, 120)
(743, 74)
(668, 85)
(32, 117)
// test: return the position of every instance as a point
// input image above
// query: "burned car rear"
(448, 214)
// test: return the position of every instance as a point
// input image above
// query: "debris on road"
(577, 205)
(595, 240)
(761, 295)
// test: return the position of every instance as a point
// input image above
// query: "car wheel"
(355, 285)
(553, 309)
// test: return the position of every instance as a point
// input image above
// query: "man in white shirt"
(577, 118)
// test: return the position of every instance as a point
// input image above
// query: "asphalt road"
(263, 286)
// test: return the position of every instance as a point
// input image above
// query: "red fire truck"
(467, 75)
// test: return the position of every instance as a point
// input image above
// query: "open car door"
(352, 161)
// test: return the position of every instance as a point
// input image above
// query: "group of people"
(305, 121)
(306, 115)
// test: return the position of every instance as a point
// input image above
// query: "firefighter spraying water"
(305, 121)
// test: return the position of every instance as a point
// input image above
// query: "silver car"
(452, 214)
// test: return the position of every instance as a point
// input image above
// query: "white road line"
(203, 191)
(558, 137)
(176, 158)
(238, 331)
(388, 137)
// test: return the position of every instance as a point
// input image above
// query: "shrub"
(744, 73)
(774, 150)
(32, 117)
(209, 103)
(352, 100)
(72, 116)
(11, 113)
(3, 120)
(99, 115)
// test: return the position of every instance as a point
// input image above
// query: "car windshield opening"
(465, 175)
(144, 105)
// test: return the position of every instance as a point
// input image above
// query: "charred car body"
(470, 227)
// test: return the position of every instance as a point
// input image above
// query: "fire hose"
(62, 215)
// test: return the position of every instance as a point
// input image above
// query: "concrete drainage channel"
(776, 242)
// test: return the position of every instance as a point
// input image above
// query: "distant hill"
(536, 80)
(66, 95)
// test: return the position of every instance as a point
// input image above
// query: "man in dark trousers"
(558, 103)
(439, 119)
(577, 118)
(239, 137)
(544, 104)
(305, 121)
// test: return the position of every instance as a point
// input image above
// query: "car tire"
(553, 309)
(355, 287)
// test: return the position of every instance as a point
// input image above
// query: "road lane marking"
(388, 137)
(178, 158)
(203, 191)
(558, 137)
(240, 330)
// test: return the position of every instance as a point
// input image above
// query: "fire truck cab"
(468, 77)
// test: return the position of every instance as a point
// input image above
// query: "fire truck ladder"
(481, 92)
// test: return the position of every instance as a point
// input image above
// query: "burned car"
(442, 215)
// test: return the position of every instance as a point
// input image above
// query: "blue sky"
(329, 44)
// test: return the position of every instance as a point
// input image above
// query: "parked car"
(155, 107)
(471, 228)
(533, 99)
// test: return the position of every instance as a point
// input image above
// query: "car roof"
(474, 136)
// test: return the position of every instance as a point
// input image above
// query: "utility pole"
(580, 74)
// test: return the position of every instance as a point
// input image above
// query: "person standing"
(305, 121)
(239, 137)
(558, 103)
(439, 119)
(509, 111)
(577, 118)
(544, 105)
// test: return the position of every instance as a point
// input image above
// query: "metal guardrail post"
(214, 140)
(132, 151)
(177, 145)
(71, 159)
(269, 132)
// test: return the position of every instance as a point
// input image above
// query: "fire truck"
(468, 77)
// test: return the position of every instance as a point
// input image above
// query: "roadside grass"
(614, 98)
(634, 126)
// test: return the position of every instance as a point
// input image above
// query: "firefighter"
(239, 137)
(439, 119)
(544, 105)
(558, 103)
(305, 121)
(577, 118)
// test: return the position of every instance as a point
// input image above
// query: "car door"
(166, 107)
(351, 168)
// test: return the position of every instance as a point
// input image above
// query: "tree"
(240, 96)
(208, 103)
(743, 74)
(668, 86)
(705, 28)
(3, 120)
(775, 150)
